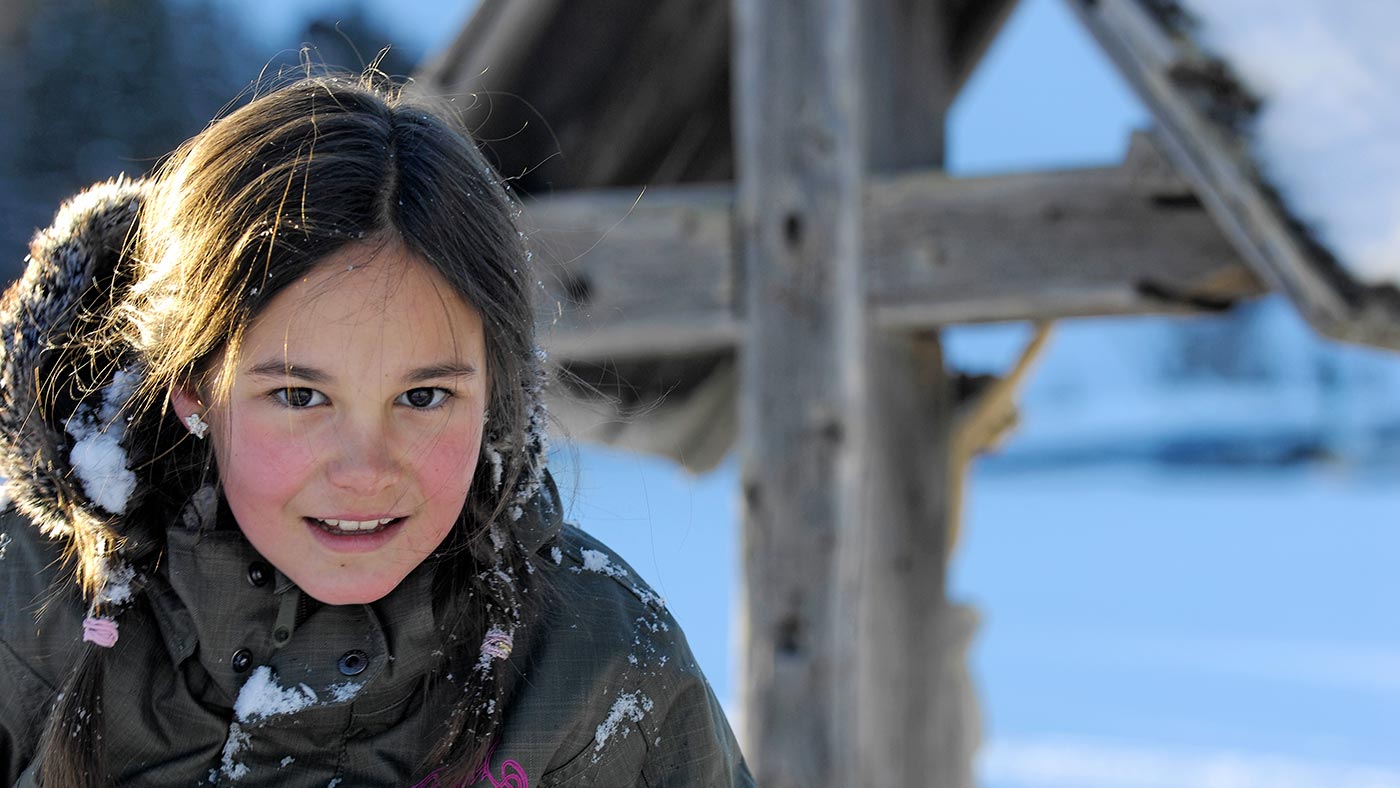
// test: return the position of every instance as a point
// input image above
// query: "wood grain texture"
(914, 712)
(628, 274)
(1172, 77)
(1048, 245)
(603, 93)
(659, 274)
(797, 227)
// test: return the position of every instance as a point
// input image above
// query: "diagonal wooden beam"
(1193, 100)
(631, 274)
(498, 38)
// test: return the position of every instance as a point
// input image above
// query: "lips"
(344, 527)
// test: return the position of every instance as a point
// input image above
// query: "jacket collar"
(219, 603)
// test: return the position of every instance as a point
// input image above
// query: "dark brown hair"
(251, 205)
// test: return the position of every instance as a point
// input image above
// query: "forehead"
(363, 297)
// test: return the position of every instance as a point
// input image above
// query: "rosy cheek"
(265, 462)
(446, 465)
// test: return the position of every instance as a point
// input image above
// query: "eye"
(294, 397)
(425, 398)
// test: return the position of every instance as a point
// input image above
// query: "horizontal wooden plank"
(632, 274)
(1033, 246)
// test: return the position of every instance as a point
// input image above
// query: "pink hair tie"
(100, 631)
(497, 644)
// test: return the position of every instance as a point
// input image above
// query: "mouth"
(339, 527)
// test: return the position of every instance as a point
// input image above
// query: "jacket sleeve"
(693, 745)
(637, 710)
(21, 714)
(34, 649)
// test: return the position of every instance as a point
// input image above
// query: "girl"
(272, 428)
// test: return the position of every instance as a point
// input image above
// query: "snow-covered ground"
(1214, 613)
(1257, 387)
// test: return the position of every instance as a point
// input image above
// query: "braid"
(111, 545)
(72, 743)
(503, 606)
(495, 602)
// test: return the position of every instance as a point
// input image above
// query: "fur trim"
(75, 267)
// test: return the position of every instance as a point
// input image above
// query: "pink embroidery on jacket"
(512, 775)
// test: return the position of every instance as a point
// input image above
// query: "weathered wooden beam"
(906, 53)
(798, 224)
(667, 75)
(1043, 246)
(1178, 83)
(497, 38)
(913, 709)
(575, 95)
(632, 274)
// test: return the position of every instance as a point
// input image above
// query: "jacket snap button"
(281, 634)
(242, 660)
(259, 573)
(353, 663)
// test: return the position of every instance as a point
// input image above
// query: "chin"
(351, 599)
(359, 594)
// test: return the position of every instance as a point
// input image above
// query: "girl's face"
(353, 424)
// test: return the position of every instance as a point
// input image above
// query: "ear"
(185, 401)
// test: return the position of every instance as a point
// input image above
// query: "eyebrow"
(286, 369)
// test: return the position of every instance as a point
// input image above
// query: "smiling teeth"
(358, 525)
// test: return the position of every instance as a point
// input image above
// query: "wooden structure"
(742, 220)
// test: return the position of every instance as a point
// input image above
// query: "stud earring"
(197, 426)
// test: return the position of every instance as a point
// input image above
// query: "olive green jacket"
(610, 693)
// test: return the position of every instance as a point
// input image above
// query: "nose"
(365, 462)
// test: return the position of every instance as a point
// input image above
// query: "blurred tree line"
(102, 87)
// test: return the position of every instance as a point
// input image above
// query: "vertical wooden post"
(798, 227)
(918, 723)
(856, 665)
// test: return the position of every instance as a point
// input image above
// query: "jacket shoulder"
(40, 614)
(637, 704)
(40, 625)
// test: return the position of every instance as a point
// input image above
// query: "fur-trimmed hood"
(55, 390)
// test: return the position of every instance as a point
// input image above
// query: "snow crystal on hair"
(97, 456)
